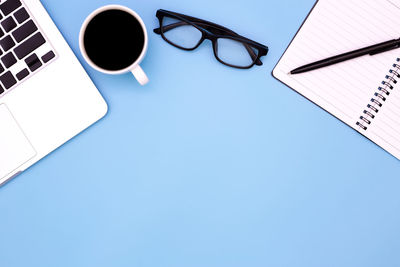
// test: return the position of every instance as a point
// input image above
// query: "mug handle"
(140, 76)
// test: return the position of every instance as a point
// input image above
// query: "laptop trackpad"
(15, 149)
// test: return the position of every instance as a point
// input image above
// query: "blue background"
(205, 166)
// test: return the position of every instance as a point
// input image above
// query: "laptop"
(46, 97)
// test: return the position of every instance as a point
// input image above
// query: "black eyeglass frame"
(213, 32)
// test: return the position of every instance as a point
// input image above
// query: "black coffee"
(114, 40)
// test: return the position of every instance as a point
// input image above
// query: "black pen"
(370, 50)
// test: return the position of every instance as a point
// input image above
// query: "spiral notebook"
(364, 92)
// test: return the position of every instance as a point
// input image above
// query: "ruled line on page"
(395, 3)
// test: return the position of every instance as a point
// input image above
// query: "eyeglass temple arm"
(182, 23)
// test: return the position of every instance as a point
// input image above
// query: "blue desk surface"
(205, 166)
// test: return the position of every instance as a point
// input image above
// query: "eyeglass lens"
(180, 33)
(235, 53)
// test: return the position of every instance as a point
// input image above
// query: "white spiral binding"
(380, 97)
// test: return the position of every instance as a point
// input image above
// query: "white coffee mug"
(134, 68)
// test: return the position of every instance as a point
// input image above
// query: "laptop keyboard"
(24, 49)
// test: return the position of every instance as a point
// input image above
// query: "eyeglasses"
(188, 33)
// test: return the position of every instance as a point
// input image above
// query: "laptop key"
(8, 80)
(33, 62)
(1, 69)
(9, 6)
(9, 60)
(7, 43)
(1, 90)
(21, 15)
(48, 56)
(22, 74)
(29, 45)
(24, 31)
(9, 24)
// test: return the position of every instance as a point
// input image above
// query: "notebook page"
(345, 89)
